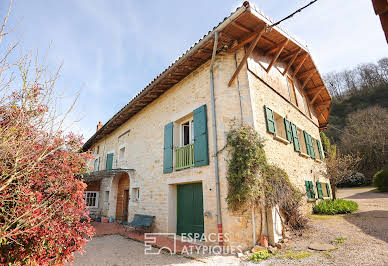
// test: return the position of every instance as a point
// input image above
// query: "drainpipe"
(214, 129)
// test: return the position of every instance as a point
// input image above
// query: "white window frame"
(135, 196)
(99, 164)
(97, 197)
(191, 131)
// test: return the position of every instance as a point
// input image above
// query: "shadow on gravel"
(373, 223)
(369, 195)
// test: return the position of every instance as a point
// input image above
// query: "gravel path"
(365, 235)
(118, 250)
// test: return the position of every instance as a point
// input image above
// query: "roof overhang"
(234, 31)
(381, 9)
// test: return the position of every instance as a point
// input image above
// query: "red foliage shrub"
(43, 216)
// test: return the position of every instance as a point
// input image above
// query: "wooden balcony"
(184, 157)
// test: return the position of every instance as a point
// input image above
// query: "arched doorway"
(122, 198)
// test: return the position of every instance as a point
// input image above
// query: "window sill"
(278, 138)
(302, 154)
(318, 160)
(311, 200)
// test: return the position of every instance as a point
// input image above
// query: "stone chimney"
(99, 126)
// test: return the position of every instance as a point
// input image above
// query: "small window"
(324, 190)
(106, 199)
(187, 133)
(135, 194)
(316, 151)
(280, 127)
(291, 91)
(310, 192)
(91, 199)
(302, 142)
(122, 153)
(96, 164)
(98, 149)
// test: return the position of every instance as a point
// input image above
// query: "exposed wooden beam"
(321, 113)
(248, 39)
(291, 54)
(322, 104)
(280, 49)
(276, 47)
(300, 64)
(241, 27)
(247, 54)
(205, 51)
(314, 90)
(307, 80)
(316, 95)
(291, 61)
(306, 73)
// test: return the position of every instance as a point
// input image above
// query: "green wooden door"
(190, 209)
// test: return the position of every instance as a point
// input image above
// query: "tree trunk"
(333, 190)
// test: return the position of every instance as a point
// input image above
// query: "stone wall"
(271, 89)
(143, 144)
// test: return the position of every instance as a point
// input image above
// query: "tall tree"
(366, 133)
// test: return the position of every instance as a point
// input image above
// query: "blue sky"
(113, 49)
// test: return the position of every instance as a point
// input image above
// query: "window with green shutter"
(201, 149)
(307, 142)
(328, 189)
(295, 137)
(321, 156)
(109, 161)
(309, 189)
(311, 144)
(168, 148)
(270, 120)
(319, 189)
(287, 126)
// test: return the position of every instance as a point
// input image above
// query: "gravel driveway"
(365, 235)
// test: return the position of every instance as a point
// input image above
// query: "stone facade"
(141, 139)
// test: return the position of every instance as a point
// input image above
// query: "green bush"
(259, 256)
(380, 180)
(337, 206)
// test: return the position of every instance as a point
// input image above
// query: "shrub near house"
(380, 180)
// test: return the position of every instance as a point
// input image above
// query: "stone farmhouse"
(162, 153)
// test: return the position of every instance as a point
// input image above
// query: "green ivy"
(253, 181)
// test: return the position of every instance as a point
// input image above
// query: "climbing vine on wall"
(252, 181)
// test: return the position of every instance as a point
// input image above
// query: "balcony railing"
(184, 157)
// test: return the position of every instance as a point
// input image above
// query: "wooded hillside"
(359, 114)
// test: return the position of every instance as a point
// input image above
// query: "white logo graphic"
(150, 240)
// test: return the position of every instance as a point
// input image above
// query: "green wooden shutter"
(168, 148)
(311, 143)
(307, 142)
(312, 189)
(307, 185)
(321, 156)
(109, 161)
(269, 118)
(201, 149)
(319, 188)
(287, 125)
(295, 133)
(328, 189)
(98, 164)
